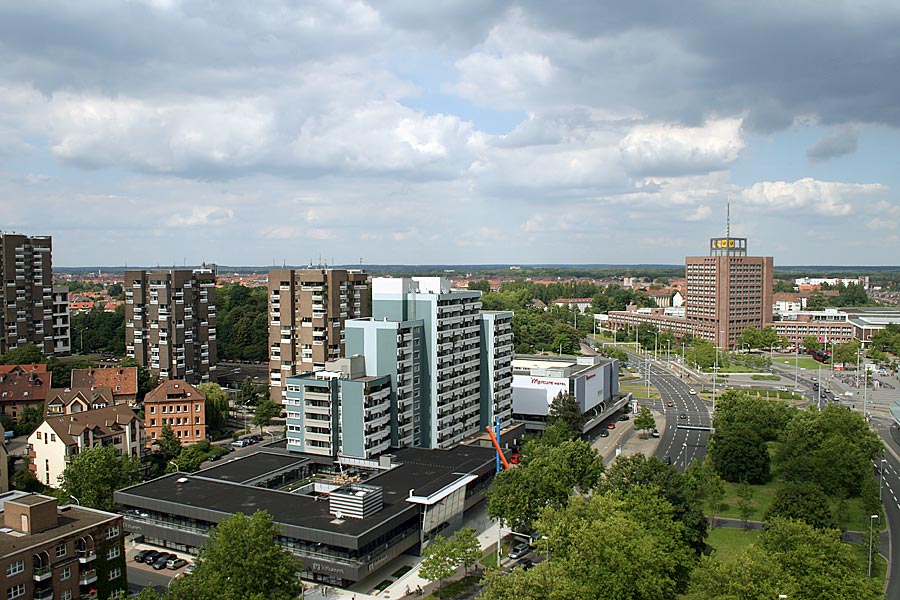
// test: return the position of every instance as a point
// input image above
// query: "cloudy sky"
(256, 133)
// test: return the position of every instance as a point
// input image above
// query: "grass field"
(728, 542)
(804, 362)
(879, 565)
(639, 390)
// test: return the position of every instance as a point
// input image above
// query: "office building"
(344, 524)
(536, 381)
(307, 312)
(67, 553)
(26, 293)
(179, 405)
(728, 291)
(339, 411)
(170, 322)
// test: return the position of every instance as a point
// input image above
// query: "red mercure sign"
(537, 381)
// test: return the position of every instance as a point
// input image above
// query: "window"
(113, 553)
(52, 437)
(114, 573)
(66, 595)
(112, 532)
(38, 434)
(152, 410)
(60, 551)
(15, 568)
(196, 408)
(65, 573)
(16, 591)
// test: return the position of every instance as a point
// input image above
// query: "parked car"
(255, 439)
(175, 563)
(524, 564)
(140, 556)
(189, 569)
(654, 433)
(240, 443)
(519, 550)
(160, 563)
(611, 426)
(604, 433)
(151, 556)
(515, 458)
(215, 456)
(624, 418)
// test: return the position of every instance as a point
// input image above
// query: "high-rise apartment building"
(451, 354)
(496, 368)
(170, 322)
(307, 311)
(26, 293)
(339, 411)
(62, 342)
(728, 291)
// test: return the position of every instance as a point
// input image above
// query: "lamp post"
(797, 366)
(871, 522)
(865, 393)
(656, 346)
(177, 468)
(77, 501)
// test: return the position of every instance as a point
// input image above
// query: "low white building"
(61, 437)
(537, 380)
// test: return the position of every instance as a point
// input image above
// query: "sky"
(170, 132)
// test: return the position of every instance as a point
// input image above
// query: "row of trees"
(444, 556)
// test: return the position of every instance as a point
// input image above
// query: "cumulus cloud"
(202, 215)
(844, 140)
(665, 150)
(822, 197)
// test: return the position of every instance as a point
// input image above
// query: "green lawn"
(639, 390)
(451, 590)
(728, 542)
(879, 565)
(804, 362)
(762, 500)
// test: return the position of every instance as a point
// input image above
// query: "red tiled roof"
(103, 421)
(123, 378)
(174, 390)
(29, 383)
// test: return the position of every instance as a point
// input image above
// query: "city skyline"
(461, 134)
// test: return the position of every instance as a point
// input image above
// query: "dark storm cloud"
(843, 141)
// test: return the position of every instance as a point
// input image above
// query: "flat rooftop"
(72, 519)
(252, 466)
(423, 471)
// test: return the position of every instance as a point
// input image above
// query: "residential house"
(122, 380)
(179, 405)
(22, 386)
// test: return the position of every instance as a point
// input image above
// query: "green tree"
(242, 561)
(751, 575)
(191, 457)
(27, 481)
(547, 475)
(846, 352)
(216, 406)
(441, 560)
(629, 473)
(806, 502)
(94, 474)
(468, 548)
(266, 410)
(644, 420)
(29, 419)
(249, 394)
(565, 408)
(28, 354)
(169, 444)
(745, 503)
(739, 454)
(812, 342)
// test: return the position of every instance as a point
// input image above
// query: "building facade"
(123, 381)
(62, 338)
(23, 386)
(52, 553)
(339, 411)
(26, 292)
(76, 421)
(179, 405)
(307, 312)
(451, 355)
(170, 322)
(496, 368)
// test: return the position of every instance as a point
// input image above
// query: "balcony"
(42, 573)
(91, 595)
(87, 577)
(46, 594)
(86, 556)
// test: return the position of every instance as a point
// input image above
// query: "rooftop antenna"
(728, 219)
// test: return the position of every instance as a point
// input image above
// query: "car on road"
(604, 433)
(670, 403)
(624, 418)
(175, 563)
(654, 433)
(682, 416)
(692, 392)
(611, 426)
(519, 550)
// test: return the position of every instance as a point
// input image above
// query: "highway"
(679, 444)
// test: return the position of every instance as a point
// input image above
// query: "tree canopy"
(94, 474)
(241, 561)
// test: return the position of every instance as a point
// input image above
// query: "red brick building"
(179, 405)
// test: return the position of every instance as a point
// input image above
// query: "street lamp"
(177, 468)
(77, 501)
(871, 521)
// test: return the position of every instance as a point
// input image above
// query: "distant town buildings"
(26, 294)
(170, 322)
(307, 312)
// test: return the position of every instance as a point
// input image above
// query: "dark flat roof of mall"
(251, 466)
(423, 471)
